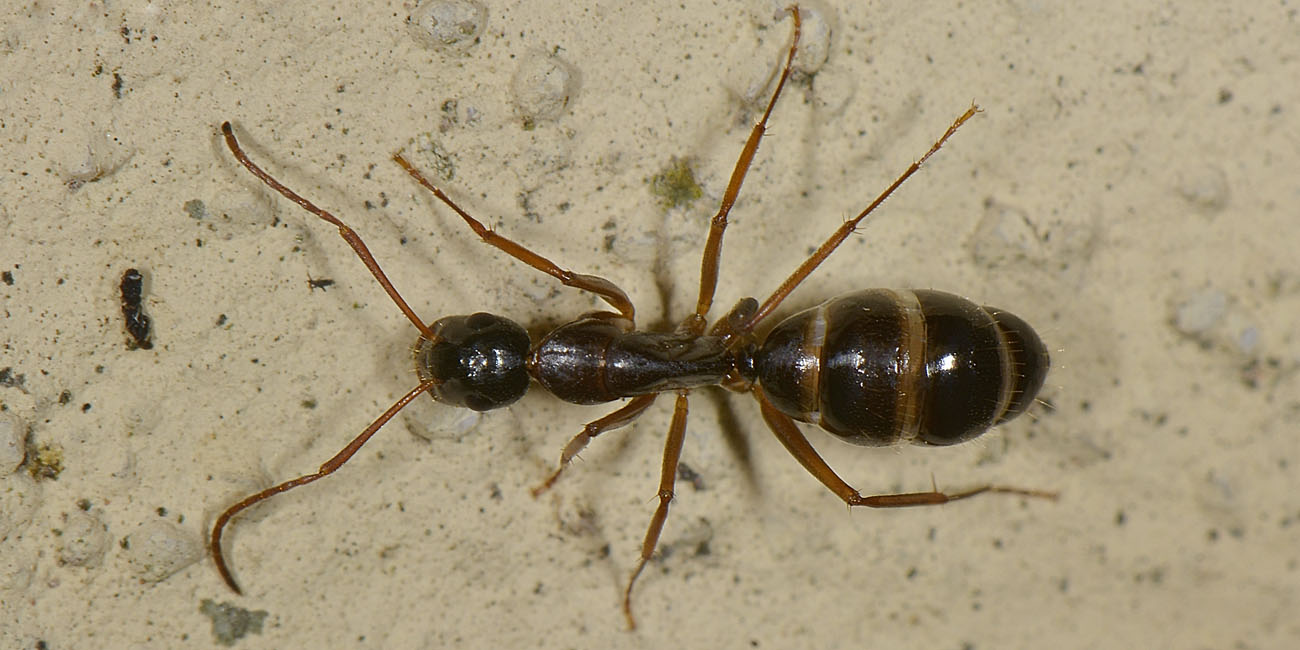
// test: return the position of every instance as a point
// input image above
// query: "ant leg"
(788, 433)
(607, 290)
(620, 418)
(326, 469)
(672, 452)
(713, 246)
(824, 251)
(348, 235)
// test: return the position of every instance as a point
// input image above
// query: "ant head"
(477, 360)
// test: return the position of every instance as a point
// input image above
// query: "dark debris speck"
(231, 623)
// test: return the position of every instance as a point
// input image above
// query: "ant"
(874, 367)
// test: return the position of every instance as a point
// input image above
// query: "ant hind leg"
(794, 441)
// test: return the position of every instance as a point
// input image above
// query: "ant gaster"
(875, 367)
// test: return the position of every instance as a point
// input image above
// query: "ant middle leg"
(794, 441)
(620, 418)
(667, 479)
(608, 291)
(713, 245)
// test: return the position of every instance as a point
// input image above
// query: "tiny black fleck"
(687, 473)
(323, 284)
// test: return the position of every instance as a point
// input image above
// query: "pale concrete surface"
(1131, 158)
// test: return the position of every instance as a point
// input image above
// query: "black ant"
(875, 367)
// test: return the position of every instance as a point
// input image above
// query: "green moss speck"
(44, 461)
(675, 186)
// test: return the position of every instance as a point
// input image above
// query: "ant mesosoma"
(875, 367)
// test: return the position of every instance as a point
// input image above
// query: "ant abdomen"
(878, 367)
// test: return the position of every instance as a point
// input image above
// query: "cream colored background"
(1155, 146)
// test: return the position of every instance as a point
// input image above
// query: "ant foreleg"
(608, 291)
(348, 235)
(329, 467)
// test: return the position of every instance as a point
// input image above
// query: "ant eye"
(481, 320)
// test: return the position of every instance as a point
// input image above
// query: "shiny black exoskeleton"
(875, 367)
(879, 367)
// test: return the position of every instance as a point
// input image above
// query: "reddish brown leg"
(788, 433)
(620, 418)
(713, 246)
(829, 246)
(349, 235)
(672, 452)
(328, 468)
(600, 286)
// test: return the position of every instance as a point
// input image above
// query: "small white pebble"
(84, 539)
(102, 155)
(19, 499)
(818, 23)
(749, 79)
(833, 90)
(815, 37)
(543, 86)
(18, 564)
(1004, 235)
(1205, 187)
(1200, 313)
(160, 548)
(451, 25)
(13, 442)
(1248, 340)
(436, 421)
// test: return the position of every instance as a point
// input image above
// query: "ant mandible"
(874, 367)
